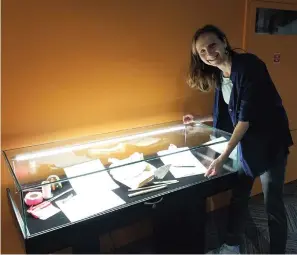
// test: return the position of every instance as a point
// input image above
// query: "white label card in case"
(177, 160)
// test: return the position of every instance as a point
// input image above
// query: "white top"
(226, 89)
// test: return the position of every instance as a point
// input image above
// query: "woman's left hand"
(215, 167)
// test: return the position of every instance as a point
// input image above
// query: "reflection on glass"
(276, 21)
(67, 181)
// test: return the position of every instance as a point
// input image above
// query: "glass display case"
(65, 182)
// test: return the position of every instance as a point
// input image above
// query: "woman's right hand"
(188, 119)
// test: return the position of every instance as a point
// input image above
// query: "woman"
(247, 105)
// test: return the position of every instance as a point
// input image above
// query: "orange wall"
(77, 67)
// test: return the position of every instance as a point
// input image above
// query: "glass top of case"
(30, 166)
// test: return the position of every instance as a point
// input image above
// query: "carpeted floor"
(256, 240)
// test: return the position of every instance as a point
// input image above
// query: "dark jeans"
(272, 185)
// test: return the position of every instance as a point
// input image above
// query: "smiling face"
(211, 49)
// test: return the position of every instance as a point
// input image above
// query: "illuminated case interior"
(100, 170)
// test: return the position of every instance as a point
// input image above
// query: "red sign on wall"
(276, 58)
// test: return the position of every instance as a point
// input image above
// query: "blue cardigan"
(254, 98)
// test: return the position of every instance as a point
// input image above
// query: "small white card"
(178, 160)
(46, 212)
(82, 206)
(221, 147)
(92, 183)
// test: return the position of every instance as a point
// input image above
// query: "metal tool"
(147, 191)
(166, 182)
(147, 187)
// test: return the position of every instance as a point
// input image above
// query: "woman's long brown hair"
(201, 76)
